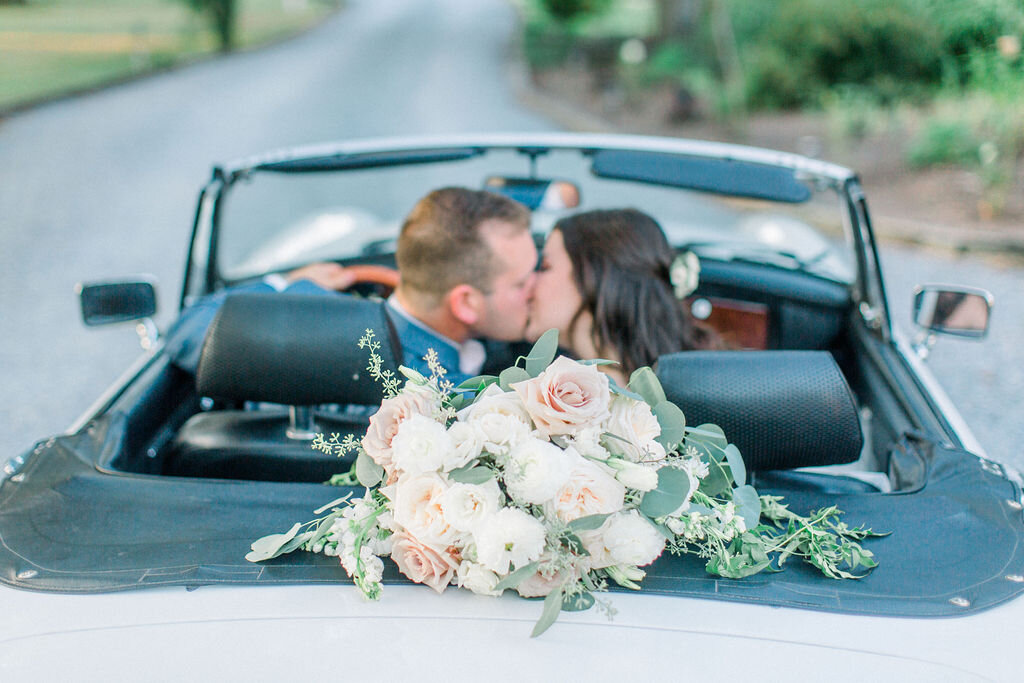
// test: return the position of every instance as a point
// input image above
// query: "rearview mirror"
(537, 193)
(956, 311)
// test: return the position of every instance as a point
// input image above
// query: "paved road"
(104, 185)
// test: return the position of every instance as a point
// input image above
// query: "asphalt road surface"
(104, 185)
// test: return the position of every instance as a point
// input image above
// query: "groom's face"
(506, 305)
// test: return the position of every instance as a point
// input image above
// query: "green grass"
(53, 47)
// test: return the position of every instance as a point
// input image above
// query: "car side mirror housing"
(105, 303)
(954, 311)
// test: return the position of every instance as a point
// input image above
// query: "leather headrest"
(782, 409)
(295, 349)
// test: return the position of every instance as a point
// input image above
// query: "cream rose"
(467, 442)
(590, 490)
(385, 422)
(540, 584)
(535, 471)
(422, 563)
(634, 429)
(499, 418)
(565, 398)
(477, 578)
(417, 501)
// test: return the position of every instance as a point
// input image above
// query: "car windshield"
(271, 220)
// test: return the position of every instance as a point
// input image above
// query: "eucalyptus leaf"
(671, 492)
(578, 602)
(616, 389)
(707, 433)
(510, 376)
(542, 353)
(478, 383)
(552, 606)
(270, 546)
(598, 361)
(736, 465)
(412, 374)
(748, 505)
(517, 577)
(644, 382)
(368, 472)
(717, 479)
(672, 422)
(588, 523)
(471, 475)
(334, 503)
(297, 542)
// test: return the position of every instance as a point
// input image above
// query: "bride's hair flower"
(509, 538)
(566, 397)
(535, 471)
(590, 490)
(633, 429)
(423, 563)
(384, 424)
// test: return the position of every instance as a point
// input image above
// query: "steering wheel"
(383, 277)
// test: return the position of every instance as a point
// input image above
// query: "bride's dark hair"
(621, 262)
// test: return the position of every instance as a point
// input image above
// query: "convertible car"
(123, 540)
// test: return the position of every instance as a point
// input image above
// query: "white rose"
(467, 442)
(393, 411)
(493, 400)
(566, 397)
(634, 429)
(631, 539)
(421, 445)
(477, 578)
(509, 538)
(633, 475)
(416, 500)
(464, 506)
(590, 490)
(535, 471)
(500, 433)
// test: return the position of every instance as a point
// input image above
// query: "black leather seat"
(782, 409)
(294, 352)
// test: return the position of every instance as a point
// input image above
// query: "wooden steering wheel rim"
(378, 275)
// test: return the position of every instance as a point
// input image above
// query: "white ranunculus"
(634, 429)
(587, 442)
(590, 490)
(500, 433)
(416, 500)
(633, 475)
(535, 471)
(421, 445)
(477, 578)
(631, 539)
(467, 442)
(464, 506)
(509, 538)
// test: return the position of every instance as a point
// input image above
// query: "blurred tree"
(678, 18)
(222, 14)
(568, 10)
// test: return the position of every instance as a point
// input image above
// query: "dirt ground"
(937, 205)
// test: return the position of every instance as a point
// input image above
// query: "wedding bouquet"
(551, 480)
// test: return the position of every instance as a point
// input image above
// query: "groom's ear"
(465, 303)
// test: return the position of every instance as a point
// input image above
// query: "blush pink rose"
(423, 564)
(566, 398)
(385, 422)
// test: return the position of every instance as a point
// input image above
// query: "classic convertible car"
(166, 482)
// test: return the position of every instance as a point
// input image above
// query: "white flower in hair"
(685, 274)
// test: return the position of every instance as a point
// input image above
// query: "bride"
(606, 284)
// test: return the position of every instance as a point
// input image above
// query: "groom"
(466, 262)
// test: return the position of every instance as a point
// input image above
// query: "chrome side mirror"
(105, 303)
(954, 311)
